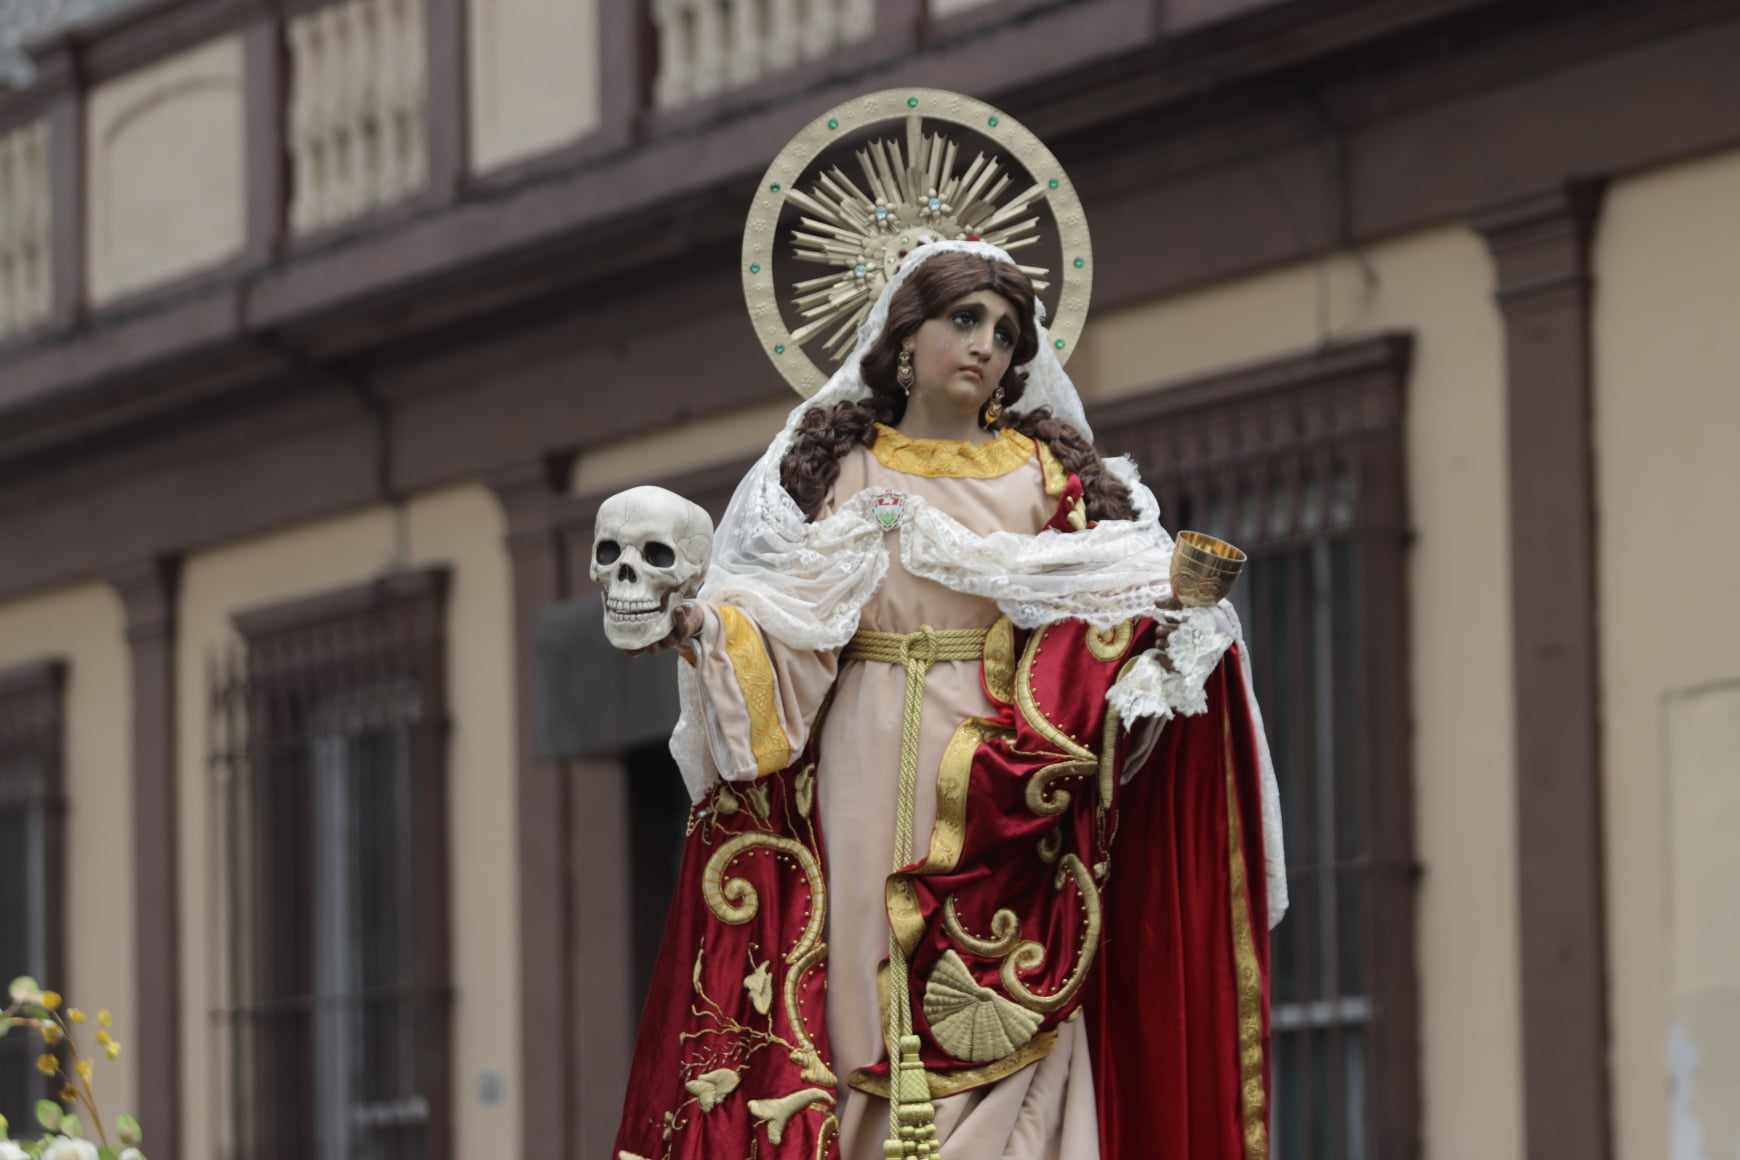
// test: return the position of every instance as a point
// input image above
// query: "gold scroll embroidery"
(951, 458)
(1000, 661)
(735, 901)
(754, 673)
(949, 1083)
(1108, 644)
(1249, 975)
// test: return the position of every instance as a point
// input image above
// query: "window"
(30, 860)
(329, 770)
(1301, 464)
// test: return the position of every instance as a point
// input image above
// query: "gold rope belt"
(911, 1117)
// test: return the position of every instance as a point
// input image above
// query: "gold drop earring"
(904, 374)
(994, 408)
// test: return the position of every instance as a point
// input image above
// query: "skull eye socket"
(607, 551)
(659, 555)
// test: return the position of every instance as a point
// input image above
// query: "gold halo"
(842, 215)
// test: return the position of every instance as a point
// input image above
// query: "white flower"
(132, 1154)
(11, 1151)
(65, 1148)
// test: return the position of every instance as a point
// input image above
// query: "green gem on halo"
(774, 187)
(1080, 262)
(1058, 344)
(992, 122)
(833, 122)
(1054, 183)
(755, 267)
(912, 102)
(780, 349)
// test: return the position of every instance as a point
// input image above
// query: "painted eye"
(659, 555)
(607, 551)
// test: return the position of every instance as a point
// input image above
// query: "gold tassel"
(915, 1114)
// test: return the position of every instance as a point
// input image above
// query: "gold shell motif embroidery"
(970, 1021)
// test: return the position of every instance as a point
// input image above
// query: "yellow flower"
(75, 1015)
(104, 1038)
(51, 1032)
(51, 1000)
(68, 1094)
(104, 1018)
(85, 1069)
(112, 1050)
(47, 1064)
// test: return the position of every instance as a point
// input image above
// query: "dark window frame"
(376, 650)
(33, 731)
(1302, 462)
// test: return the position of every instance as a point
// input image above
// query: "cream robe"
(1042, 1112)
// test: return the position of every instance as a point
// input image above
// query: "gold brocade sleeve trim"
(1056, 478)
(754, 672)
(1248, 978)
(951, 458)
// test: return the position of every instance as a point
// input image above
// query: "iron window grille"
(328, 759)
(1302, 464)
(32, 860)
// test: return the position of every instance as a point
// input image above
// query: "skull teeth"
(632, 609)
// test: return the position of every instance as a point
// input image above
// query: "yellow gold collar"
(950, 457)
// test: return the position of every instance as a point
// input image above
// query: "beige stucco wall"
(732, 437)
(462, 528)
(164, 146)
(85, 627)
(1667, 416)
(534, 76)
(1438, 286)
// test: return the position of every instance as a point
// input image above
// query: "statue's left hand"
(686, 621)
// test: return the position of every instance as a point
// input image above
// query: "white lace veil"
(805, 583)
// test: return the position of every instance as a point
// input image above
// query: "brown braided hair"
(824, 435)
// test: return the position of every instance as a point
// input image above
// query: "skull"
(649, 549)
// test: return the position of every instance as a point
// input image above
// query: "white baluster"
(9, 295)
(365, 66)
(307, 155)
(335, 194)
(38, 221)
(709, 48)
(671, 19)
(413, 110)
(857, 20)
(784, 30)
(820, 28)
(746, 41)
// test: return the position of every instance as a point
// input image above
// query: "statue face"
(649, 550)
(961, 356)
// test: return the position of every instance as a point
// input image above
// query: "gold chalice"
(1203, 569)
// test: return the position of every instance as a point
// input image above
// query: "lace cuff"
(1195, 647)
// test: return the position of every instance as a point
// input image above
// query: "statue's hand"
(686, 621)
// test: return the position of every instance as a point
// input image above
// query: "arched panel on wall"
(167, 175)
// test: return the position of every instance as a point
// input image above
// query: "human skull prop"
(649, 550)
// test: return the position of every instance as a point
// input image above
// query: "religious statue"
(985, 843)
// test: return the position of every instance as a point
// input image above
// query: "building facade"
(326, 326)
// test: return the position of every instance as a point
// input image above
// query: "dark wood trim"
(1541, 249)
(149, 592)
(267, 176)
(449, 99)
(549, 1072)
(141, 35)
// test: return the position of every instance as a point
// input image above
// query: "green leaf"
(128, 1129)
(3, 1127)
(6, 1023)
(107, 1153)
(70, 1126)
(48, 1114)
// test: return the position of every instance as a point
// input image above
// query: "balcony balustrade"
(26, 216)
(709, 47)
(358, 129)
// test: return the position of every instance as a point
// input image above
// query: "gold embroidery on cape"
(774, 1114)
(754, 673)
(736, 902)
(970, 1021)
(948, 833)
(1026, 701)
(905, 918)
(1249, 975)
(1056, 478)
(951, 458)
(1108, 644)
(1000, 661)
(949, 1083)
(1030, 956)
(1005, 931)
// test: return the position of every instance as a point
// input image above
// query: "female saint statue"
(985, 847)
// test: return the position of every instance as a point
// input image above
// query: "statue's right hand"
(686, 621)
